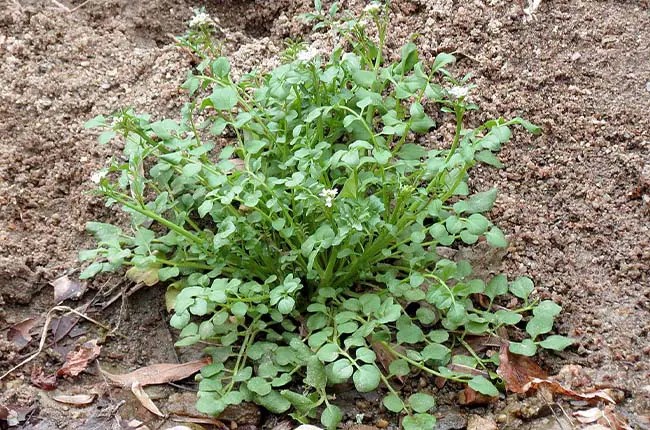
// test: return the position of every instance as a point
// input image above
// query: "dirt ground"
(574, 201)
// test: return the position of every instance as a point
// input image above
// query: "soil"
(574, 201)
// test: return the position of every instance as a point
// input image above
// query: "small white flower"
(363, 23)
(329, 195)
(373, 7)
(459, 92)
(306, 54)
(97, 176)
(200, 19)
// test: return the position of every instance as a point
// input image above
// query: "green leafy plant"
(302, 250)
(201, 38)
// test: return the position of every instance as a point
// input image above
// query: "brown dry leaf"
(77, 361)
(614, 420)
(157, 373)
(460, 368)
(469, 397)
(385, 357)
(65, 289)
(589, 416)
(19, 332)
(146, 276)
(145, 400)
(517, 370)
(557, 388)
(201, 420)
(75, 400)
(40, 380)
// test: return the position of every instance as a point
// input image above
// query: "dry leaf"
(614, 420)
(460, 368)
(385, 357)
(145, 400)
(158, 373)
(589, 416)
(77, 361)
(147, 276)
(19, 332)
(200, 420)
(40, 380)
(65, 289)
(517, 370)
(470, 397)
(557, 388)
(75, 400)
(155, 374)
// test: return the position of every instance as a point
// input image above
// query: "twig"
(79, 6)
(61, 5)
(46, 326)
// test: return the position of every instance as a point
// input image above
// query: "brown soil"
(575, 201)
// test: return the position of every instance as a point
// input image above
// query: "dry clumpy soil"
(574, 201)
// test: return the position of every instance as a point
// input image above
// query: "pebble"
(476, 422)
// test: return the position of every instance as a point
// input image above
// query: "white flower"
(373, 7)
(459, 92)
(329, 195)
(306, 54)
(98, 175)
(200, 19)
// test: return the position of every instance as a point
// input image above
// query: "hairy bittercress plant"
(304, 244)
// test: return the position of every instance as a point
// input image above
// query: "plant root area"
(574, 202)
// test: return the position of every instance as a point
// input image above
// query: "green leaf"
(421, 402)
(98, 121)
(436, 352)
(303, 404)
(507, 317)
(366, 378)
(239, 309)
(167, 273)
(555, 342)
(224, 98)
(482, 385)
(419, 422)
(343, 368)
(393, 403)
(539, 324)
(442, 60)
(328, 352)
(477, 224)
(497, 286)
(522, 287)
(527, 347)
(496, 238)
(316, 376)
(366, 355)
(364, 78)
(480, 202)
(547, 308)
(259, 386)
(106, 137)
(331, 417)
(399, 367)
(274, 402)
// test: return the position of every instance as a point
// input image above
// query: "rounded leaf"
(366, 378)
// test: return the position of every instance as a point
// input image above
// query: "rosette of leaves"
(292, 292)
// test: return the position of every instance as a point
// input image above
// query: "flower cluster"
(459, 92)
(373, 7)
(200, 19)
(306, 54)
(329, 195)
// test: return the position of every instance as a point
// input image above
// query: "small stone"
(576, 56)
(381, 423)
(476, 422)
